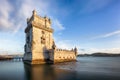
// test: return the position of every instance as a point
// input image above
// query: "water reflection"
(48, 72)
(39, 72)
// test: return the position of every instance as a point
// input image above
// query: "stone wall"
(28, 46)
(39, 50)
(61, 55)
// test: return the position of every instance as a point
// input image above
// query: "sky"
(90, 25)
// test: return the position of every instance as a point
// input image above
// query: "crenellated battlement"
(64, 50)
(62, 55)
(39, 22)
(39, 19)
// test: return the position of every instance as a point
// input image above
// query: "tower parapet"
(39, 22)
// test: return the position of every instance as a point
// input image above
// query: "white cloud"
(109, 50)
(43, 8)
(21, 12)
(57, 25)
(25, 11)
(113, 50)
(5, 20)
(111, 34)
(27, 6)
(115, 33)
(17, 28)
(12, 46)
(65, 44)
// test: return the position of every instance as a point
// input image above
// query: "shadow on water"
(39, 72)
(52, 72)
(47, 72)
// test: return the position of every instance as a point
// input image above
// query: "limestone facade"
(40, 47)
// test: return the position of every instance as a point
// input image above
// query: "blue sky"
(90, 25)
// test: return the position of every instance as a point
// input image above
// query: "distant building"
(40, 47)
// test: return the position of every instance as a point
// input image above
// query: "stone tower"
(40, 47)
(38, 39)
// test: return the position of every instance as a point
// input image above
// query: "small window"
(43, 37)
(43, 32)
(42, 40)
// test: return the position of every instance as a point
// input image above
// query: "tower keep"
(38, 38)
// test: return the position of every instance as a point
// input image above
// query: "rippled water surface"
(86, 68)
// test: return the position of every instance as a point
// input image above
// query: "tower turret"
(34, 12)
(53, 46)
(75, 49)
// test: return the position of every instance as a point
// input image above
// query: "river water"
(86, 68)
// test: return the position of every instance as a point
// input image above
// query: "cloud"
(9, 46)
(94, 5)
(43, 8)
(57, 25)
(19, 26)
(115, 33)
(25, 11)
(112, 34)
(94, 50)
(5, 11)
(13, 15)
(65, 44)
(27, 6)
(113, 50)
(68, 44)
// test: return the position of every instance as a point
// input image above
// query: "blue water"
(86, 68)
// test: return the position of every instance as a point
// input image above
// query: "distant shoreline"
(5, 58)
(99, 55)
(9, 57)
